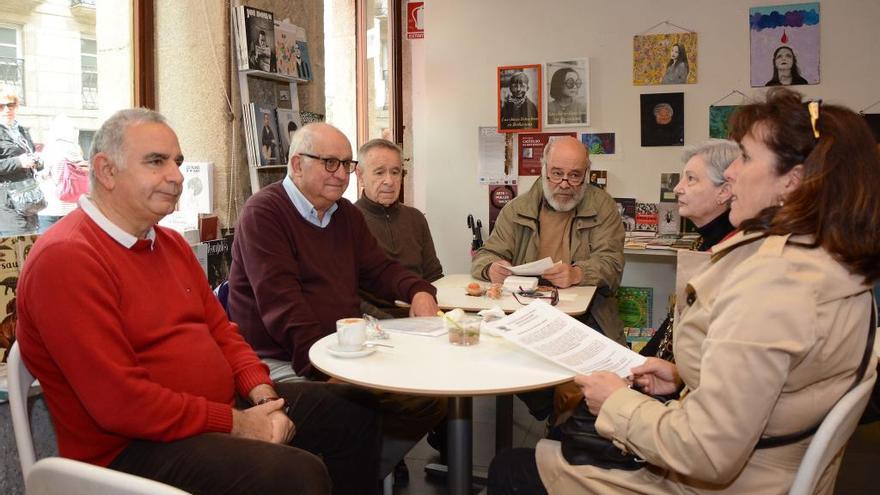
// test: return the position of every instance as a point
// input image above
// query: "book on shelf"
(200, 251)
(255, 39)
(599, 178)
(646, 217)
(264, 135)
(668, 219)
(303, 59)
(627, 209)
(219, 259)
(198, 187)
(667, 187)
(285, 48)
(288, 123)
(638, 338)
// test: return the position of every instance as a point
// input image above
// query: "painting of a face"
(663, 114)
(674, 54)
(784, 59)
(518, 87)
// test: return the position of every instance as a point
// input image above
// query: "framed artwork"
(784, 44)
(662, 116)
(599, 144)
(567, 93)
(665, 59)
(719, 119)
(519, 98)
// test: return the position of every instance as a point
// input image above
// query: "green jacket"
(596, 247)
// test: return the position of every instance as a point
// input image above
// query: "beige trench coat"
(771, 338)
(596, 247)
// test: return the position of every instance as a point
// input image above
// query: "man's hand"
(423, 304)
(656, 377)
(499, 270)
(597, 387)
(563, 275)
(265, 422)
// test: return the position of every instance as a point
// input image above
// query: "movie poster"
(519, 98)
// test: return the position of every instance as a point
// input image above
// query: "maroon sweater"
(290, 280)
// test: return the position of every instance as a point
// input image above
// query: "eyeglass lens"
(571, 83)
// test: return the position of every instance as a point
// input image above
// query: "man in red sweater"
(300, 254)
(140, 367)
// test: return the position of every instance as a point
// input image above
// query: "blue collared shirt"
(113, 230)
(304, 207)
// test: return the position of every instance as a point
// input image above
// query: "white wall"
(465, 40)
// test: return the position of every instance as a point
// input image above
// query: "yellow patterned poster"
(665, 59)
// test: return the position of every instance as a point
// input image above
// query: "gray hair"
(718, 155)
(378, 143)
(110, 138)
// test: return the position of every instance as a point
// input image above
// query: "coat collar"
(531, 210)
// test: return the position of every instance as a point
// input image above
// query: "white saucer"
(334, 350)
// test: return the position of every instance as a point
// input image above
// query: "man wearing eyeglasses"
(300, 254)
(575, 224)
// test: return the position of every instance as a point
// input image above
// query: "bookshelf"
(269, 98)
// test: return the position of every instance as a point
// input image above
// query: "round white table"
(431, 366)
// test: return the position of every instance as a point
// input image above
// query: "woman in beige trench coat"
(772, 333)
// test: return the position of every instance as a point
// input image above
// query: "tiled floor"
(857, 475)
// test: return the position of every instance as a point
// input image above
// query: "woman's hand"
(597, 387)
(656, 377)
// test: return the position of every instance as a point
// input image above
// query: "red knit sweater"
(127, 343)
(290, 280)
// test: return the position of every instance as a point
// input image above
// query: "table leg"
(503, 422)
(460, 442)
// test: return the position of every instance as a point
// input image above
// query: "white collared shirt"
(113, 230)
(304, 207)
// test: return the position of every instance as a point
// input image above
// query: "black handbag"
(25, 197)
(582, 444)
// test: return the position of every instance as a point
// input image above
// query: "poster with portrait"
(662, 116)
(599, 144)
(719, 120)
(519, 98)
(665, 59)
(784, 44)
(531, 150)
(567, 93)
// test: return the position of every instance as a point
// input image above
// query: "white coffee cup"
(351, 333)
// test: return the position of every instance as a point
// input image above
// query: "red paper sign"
(415, 20)
(531, 149)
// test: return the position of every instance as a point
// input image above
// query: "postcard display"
(272, 56)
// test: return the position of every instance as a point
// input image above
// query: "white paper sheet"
(552, 334)
(535, 268)
(428, 326)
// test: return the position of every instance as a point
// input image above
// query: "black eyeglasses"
(557, 176)
(4, 106)
(332, 164)
(572, 83)
(542, 292)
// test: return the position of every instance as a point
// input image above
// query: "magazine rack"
(265, 96)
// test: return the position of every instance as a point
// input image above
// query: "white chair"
(831, 437)
(55, 475)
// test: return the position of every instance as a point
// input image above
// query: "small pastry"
(474, 289)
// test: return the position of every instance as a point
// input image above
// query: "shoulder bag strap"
(770, 442)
